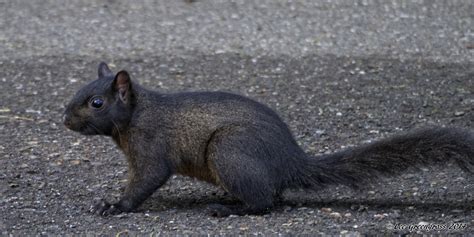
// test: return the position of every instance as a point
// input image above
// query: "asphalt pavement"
(339, 73)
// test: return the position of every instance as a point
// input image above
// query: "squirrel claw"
(112, 210)
(104, 208)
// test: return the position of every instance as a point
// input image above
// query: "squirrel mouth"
(84, 129)
(87, 130)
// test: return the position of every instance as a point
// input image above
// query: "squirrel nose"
(67, 121)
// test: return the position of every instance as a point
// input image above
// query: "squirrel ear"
(122, 85)
(104, 70)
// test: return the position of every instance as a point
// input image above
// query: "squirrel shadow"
(159, 204)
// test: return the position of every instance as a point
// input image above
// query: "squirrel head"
(103, 105)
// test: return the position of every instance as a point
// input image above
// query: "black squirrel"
(236, 143)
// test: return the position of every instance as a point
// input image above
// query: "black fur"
(421, 147)
(236, 143)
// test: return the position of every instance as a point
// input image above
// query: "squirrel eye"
(97, 102)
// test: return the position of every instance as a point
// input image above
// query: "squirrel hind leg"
(244, 175)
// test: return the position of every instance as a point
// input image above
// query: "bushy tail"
(390, 156)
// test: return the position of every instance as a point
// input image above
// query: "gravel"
(340, 74)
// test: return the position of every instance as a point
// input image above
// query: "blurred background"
(440, 30)
(340, 73)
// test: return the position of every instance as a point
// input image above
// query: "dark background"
(339, 73)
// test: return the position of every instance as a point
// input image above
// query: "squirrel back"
(236, 143)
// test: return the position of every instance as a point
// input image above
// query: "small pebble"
(13, 185)
(380, 216)
(335, 215)
(326, 209)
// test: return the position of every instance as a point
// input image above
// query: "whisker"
(118, 130)
(91, 125)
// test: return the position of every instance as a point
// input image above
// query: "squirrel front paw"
(103, 208)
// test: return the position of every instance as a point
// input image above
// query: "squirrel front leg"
(146, 174)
